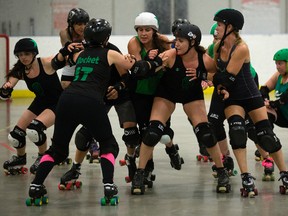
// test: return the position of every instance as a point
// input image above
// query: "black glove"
(264, 92)
(119, 86)
(64, 50)
(201, 74)
(155, 63)
(275, 104)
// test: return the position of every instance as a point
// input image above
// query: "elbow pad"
(225, 79)
(155, 63)
(56, 64)
(264, 90)
(141, 69)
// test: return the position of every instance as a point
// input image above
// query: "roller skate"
(268, 165)
(37, 195)
(69, 179)
(149, 176)
(175, 160)
(15, 165)
(35, 165)
(223, 185)
(138, 186)
(284, 177)
(93, 155)
(204, 155)
(258, 156)
(129, 161)
(228, 163)
(248, 189)
(110, 198)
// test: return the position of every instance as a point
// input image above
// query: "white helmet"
(146, 19)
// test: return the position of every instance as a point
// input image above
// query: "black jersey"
(244, 86)
(46, 87)
(175, 85)
(92, 74)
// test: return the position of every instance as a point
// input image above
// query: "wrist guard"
(225, 79)
(264, 90)
(5, 94)
(275, 104)
(64, 50)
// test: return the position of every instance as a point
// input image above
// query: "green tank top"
(149, 85)
(279, 89)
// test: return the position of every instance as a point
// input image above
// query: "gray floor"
(190, 191)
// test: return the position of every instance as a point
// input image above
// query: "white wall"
(262, 49)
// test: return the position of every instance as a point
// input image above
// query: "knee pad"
(167, 136)
(237, 132)
(17, 138)
(131, 137)
(219, 131)
(250, 129)
(266, 137)
(35, 132)
(153, 133)
(109, 146)
(83, 139)
(205, 135)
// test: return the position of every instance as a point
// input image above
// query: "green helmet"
(213, 29)
(281, 55)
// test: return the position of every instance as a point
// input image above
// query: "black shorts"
(248, 104)
(39, 105)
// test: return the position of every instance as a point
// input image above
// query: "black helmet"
(97, 31)
(230, 16)
(26, 45)
(178, 22)
(188, 31)
(77, 15)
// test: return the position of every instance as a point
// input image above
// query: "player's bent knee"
(83, 139)
(153, 133)
(237, 132)
(205, 135)
(268, 140)
(17, 138)
(36, 132)
(131, 137)
(167, 136)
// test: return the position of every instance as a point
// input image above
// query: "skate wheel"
(61, 187)
(122, 162)
(282, 189)
(103, 201)
(182, 160)
(137, 191)
(87, 156)
(69, 186)
(127, 179)
(205, 158)
(28, 202)
(78, 184)
(176, 147)
(198, 157)
(153, 177)
(38, 202)
(24, 170)
(234, 172)
(149, 184)
(69, 161)
(113, 201)
(256, 191)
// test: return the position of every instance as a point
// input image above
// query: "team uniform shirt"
(279, 89)
(175, 85)
(244, 86)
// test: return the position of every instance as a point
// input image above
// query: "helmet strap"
(223, 38)
(29, 66)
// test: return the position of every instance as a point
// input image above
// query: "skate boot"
(258, 156)
(138, 186)
(149, 176)
(248, 189)
(69, 179)
(129, 161)
(204, 155)
(223, 185)
(268, 165)
(93, 155)
(15, 165)
(284, 177)
(175, 160)
(110, 192)
(35, 165)
(37, 195)
(228, 163)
